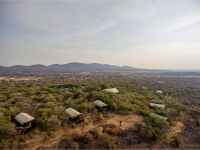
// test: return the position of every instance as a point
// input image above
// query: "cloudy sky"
(154, 34)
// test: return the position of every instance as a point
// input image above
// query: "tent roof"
(72, 113)
(160, 117)
(99, 103)
(159, 105)
(114, 90)
(23, 118)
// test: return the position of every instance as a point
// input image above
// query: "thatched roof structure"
(23, 118)
(99, 104)
(72, 113)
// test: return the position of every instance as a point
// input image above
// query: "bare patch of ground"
(19, 78)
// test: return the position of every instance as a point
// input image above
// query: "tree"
(53, 122)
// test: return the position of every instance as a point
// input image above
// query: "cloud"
(146, 34)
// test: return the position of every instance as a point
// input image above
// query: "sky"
(151, 34)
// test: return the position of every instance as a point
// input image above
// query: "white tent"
(114, 90)
(158, 105)
(99, 104)
(23, 118)
(72, 113)
(161, 92)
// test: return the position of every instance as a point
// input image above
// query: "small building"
(72, 113)
(83, 88)
(61, 85)
(160, 92)
(159, 116)
(24, 118)
(113, 90)
(158, 102)
(1, 95)
(100, 105)
(158, 105)
(43, 92)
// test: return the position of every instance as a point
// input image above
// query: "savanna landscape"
(127, 123)
(99, 74)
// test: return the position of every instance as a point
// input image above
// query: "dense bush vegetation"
(134, 98)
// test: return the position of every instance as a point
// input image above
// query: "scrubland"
(139, 129)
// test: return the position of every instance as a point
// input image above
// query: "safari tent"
(113, 90)
(161, 92)
(158, 105)
(72, 113)
(24, 118)
(100, 105)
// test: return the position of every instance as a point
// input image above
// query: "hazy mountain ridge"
(73, 66)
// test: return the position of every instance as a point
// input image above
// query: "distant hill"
(57, 69)
(73, 66)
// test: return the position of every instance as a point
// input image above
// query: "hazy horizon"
(141, 33)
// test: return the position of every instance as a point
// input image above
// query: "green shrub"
(51, 133)
(73, 125)
(139, 125)
(75, 146)
(144, 112)
(105, 139)
(22, 146)
(176, 140)
(46, 138)
(24, 138)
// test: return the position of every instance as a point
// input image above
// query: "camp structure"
(158, 102)
(61, 85)
(24, 119)
(43, 92)
(160, 117)
(18, 94)
(75, 116)
(72, 113)
(100, 105)
(113, 90)
(158, 105)
(161, 92)
(67, 89)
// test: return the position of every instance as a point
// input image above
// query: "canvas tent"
(18, 93)
(161, 92)
(24, 118)
(99, 104)
(72, 113)
(158, 105)
(114, 90)
(160, 117)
